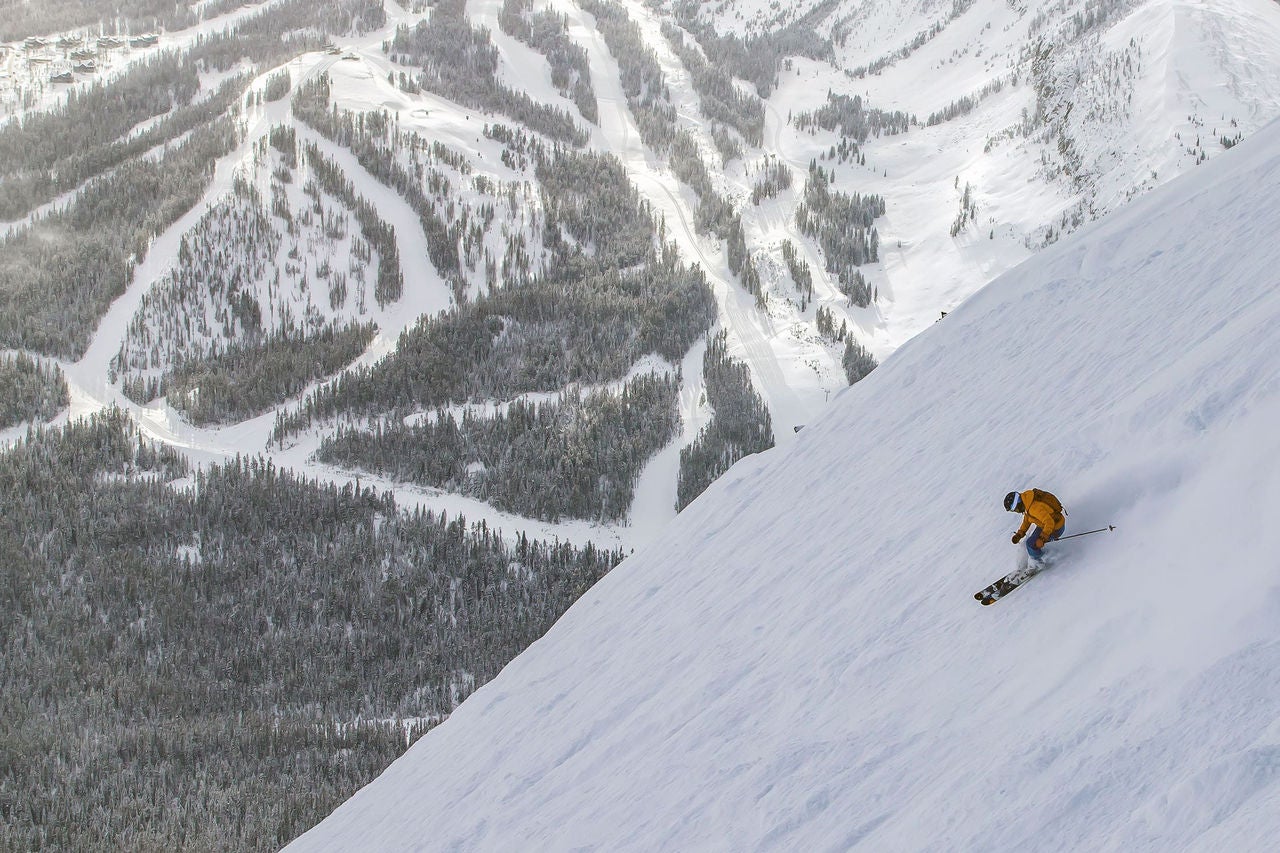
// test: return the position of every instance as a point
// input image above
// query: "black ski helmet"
(1013, 502)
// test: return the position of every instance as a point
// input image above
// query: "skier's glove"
(1017, 537)
(1038, 544)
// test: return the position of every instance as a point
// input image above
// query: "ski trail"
(92, 391)
(654, 504)
(824, 289)
(617, 133)
(425, 292)
(90, 372)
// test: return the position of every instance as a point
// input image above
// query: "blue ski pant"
(1037, 553)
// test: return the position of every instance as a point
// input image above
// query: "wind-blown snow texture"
(799, 663)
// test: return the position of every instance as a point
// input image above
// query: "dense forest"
(536, 338)
(58, 277)
(237, 381)
(30, 390)
(577, 456)
(608, 296)
(50, 152)
(216, 659)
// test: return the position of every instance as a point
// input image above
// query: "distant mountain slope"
(841, 172)
(798, 664)
(1033, 118)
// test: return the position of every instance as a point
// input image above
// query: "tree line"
(642, 79)
(801, 273)
(538, 337)
(857, 360)
(52, 16)
(958, 8)
(48, 152)
(241, 379)
(843, 226)
(459, 62)
(547, 32)
(377, 232)
(720, 99)
(715, 213)
(850, 118)
(740, 426)
(759, 57)
(577, 456)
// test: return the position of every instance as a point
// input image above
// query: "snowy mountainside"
(999, 127)
(1037, 117)
(798, 662)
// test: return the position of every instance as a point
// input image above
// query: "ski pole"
(1086, 533)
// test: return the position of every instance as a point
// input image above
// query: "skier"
(1042, 509)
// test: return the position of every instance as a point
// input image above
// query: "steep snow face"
(799, 663)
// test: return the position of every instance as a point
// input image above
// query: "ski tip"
(987, 601)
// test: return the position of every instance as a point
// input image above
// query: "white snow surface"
(798, 662)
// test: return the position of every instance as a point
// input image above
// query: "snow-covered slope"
(799, 664)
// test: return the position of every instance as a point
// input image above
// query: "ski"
(1006, 585)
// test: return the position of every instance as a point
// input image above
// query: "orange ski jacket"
(1043, 510)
